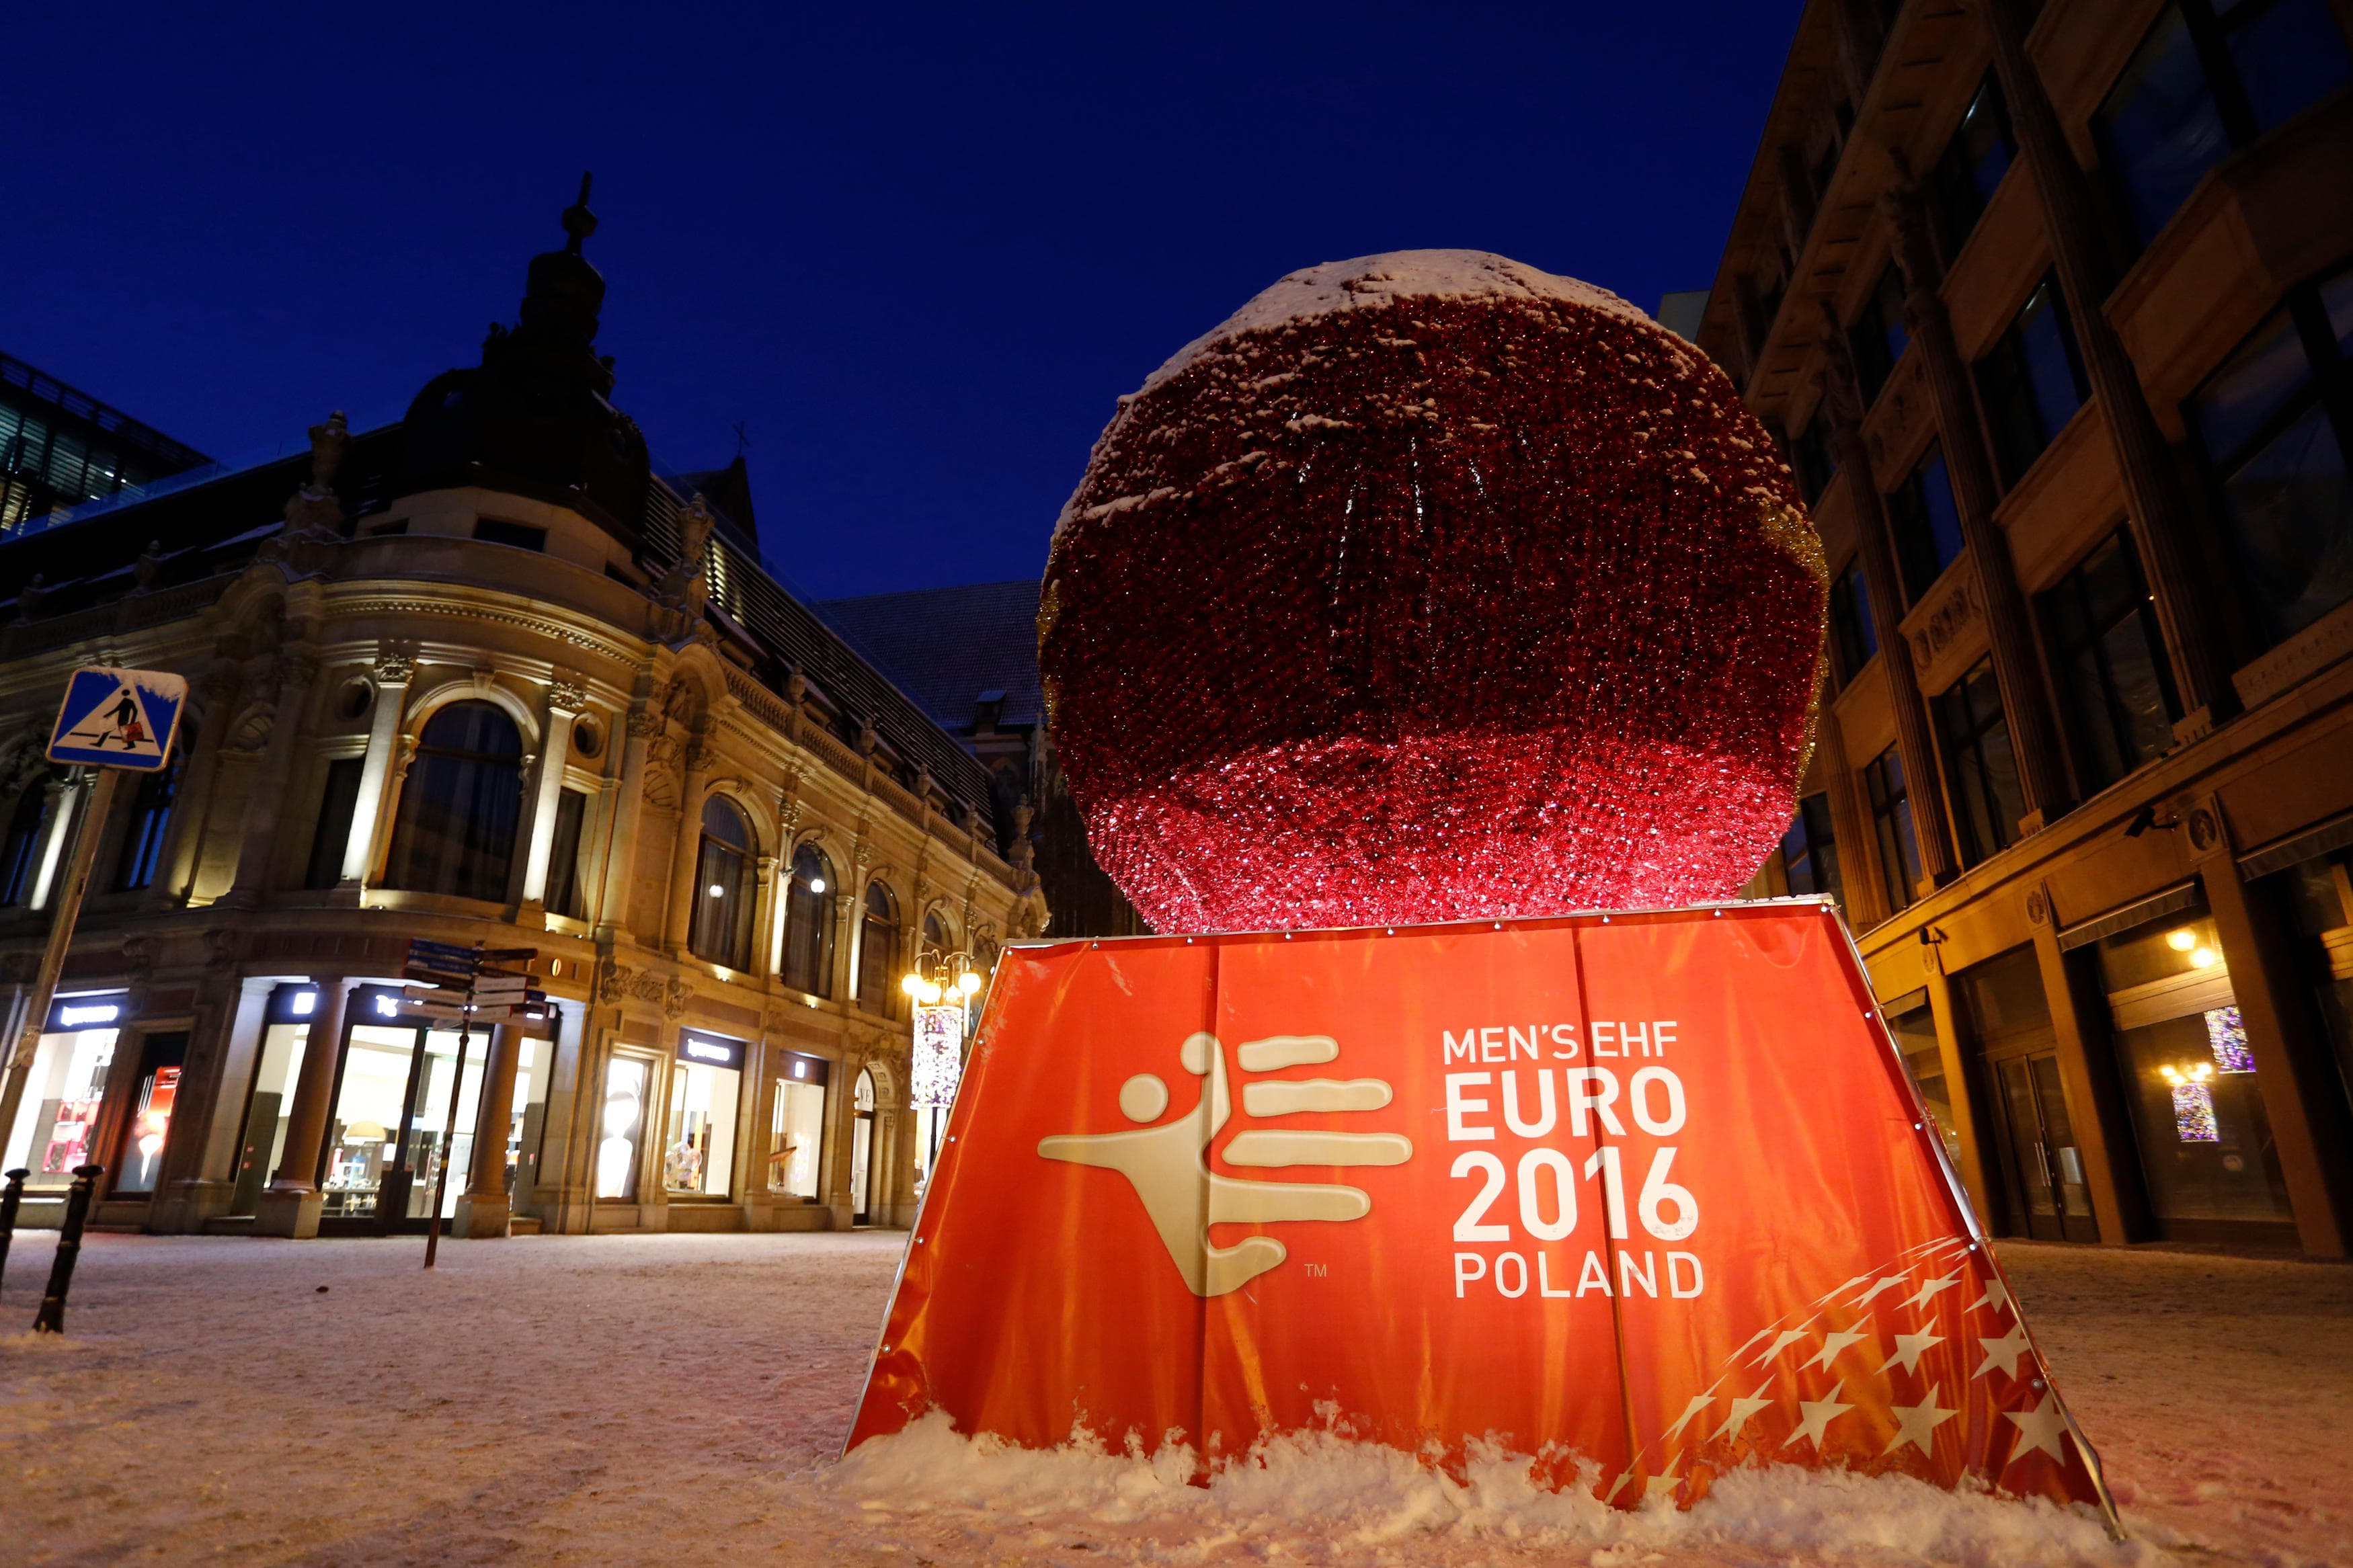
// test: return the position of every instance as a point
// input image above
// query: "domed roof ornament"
(534, 417)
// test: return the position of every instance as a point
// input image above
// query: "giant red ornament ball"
(1431, 587)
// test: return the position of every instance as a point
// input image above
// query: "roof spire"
(578, 221)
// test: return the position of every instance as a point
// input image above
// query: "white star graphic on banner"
(1909, 1348)
(1660, 1486)
(1842, 1290)
(1759, 1334)
(1699, 1402)
(1891, 1282)
(1934, 1288)
(1835, 1344)
(1743, 1407)
(2003, 1352)
(1917, 1424)
(1995, 1295)
(1788, 1337)
(1820, 1414)
(2041, 1427)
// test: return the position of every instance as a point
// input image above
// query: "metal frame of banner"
(1858, 974)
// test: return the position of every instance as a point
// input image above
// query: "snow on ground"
(678, 1400)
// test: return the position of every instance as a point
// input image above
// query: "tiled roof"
(947, 647)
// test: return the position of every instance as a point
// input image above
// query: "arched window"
(936, 937)
(878, 953)
(455, 831)
(721, 928)
(809, 929)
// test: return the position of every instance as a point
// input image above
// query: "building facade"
(484, 677)
(2054, 308)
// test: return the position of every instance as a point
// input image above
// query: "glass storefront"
(160, 1054)
(862, 1147)
(797, 1126)
(2318, 900)
(56, 1120)
(390, 1128)
(2033, 1162)
(623, 1126)
(699, 1141)
(2198, 1113)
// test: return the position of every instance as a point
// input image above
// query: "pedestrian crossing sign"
(119, 718)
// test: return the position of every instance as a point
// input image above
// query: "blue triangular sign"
(119, 718)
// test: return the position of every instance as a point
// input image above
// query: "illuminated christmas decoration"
(2193, 1103)
(939, 1053)
(2226, 1036)
(1432, 586)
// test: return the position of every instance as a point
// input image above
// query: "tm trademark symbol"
(1318, 1270)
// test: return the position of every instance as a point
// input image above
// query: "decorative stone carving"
(2204, 831)
(566, 696)
(138, 955)
(2037, 907)
(223, 941)
(1949, 619)
(394, 669)
(675, 998)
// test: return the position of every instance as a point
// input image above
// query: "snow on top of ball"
(1375, 282)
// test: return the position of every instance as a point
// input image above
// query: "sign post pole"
(450, 1139)
(117, 721)
(61, 925)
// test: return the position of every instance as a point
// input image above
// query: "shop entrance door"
(2050, 1200)
(862, 1150)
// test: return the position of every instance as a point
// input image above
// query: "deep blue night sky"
(916, 251)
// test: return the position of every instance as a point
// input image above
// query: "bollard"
(52, 1319)
(12, 1197)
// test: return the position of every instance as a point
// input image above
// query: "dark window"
(1891, 823)
(878, 953)
(1851, 626)
(2108, 655)
(1877, 339)
(721, 928)
(143, 840)
(2276, 422)
(1809, 850)
(1810, 452)
(455, 830)
(809, 927)
(1980, 766)
(1925, 524)
(2209, 77)
(23, 843)
(521, 535)
(1973, 164)
(336, 804)
(2032, 381)
(564, 856)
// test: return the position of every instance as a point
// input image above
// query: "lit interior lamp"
(817, 884)
(2204, 958)
(717, 891)
(2181, 941)
(2197, 1072)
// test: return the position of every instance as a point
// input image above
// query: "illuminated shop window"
(797, 1126)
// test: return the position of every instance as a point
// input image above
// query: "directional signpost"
(464, 985)
(118, 722)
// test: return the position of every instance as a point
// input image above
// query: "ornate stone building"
(2052, 304)
(484, 677)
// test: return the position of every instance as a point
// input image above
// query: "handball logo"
(1167, 1164)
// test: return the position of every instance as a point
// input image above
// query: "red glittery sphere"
(1431, 587)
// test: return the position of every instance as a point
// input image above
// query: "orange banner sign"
(1651, 1191)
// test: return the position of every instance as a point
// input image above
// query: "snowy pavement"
(678, 1400)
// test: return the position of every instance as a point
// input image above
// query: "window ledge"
(2308, 653)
